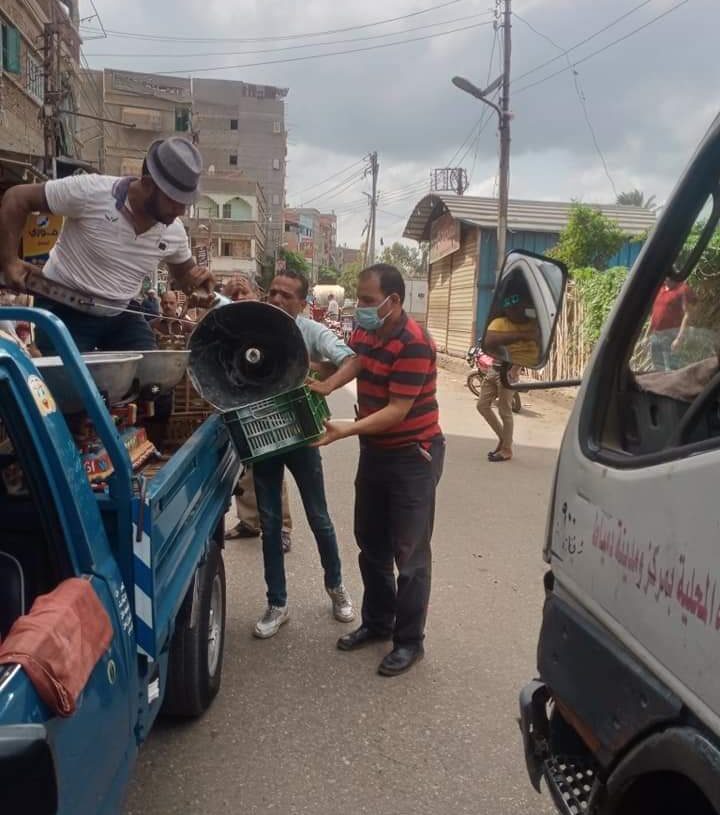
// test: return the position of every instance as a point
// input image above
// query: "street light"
(504, 126)
(467, 86)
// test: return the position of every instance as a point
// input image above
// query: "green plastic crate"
(276, 425)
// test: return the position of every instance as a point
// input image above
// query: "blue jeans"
(305, 465)
(123, 332)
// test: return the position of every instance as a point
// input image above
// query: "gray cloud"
(650, 98)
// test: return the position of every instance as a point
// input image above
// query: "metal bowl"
(159, 372)
(113, 373)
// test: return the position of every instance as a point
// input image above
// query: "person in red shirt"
(402, 450)
(669, 322)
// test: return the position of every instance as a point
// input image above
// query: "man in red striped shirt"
(402, 450)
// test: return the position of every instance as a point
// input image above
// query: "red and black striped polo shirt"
(404, 367)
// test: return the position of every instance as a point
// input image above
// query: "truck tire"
(196, 651)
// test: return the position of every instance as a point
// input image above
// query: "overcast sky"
(649, 98)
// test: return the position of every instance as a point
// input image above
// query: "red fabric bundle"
(59, 642)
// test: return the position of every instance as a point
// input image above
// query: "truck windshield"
(668, 397)
(682, 326)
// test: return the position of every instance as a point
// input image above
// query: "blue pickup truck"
(151, 548)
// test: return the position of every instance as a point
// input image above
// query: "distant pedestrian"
(515, 332)
(669, 322)
(151, 304)
(240, 288)
(333, 309)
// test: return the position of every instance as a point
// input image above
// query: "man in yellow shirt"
(512, 337)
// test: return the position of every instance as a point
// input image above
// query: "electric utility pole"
(504, 116)
(51, 86)
(374, 169)
(504, 171)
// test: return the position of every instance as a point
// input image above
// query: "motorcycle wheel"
(516, 403)
(474, 382)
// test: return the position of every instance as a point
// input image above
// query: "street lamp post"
(504, 172)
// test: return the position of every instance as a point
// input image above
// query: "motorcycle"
(483, 363)
(335, 326)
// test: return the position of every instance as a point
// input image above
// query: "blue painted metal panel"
(179, 516)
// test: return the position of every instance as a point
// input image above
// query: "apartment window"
(233, 159)
(260, 92)
(227, 210)
(227, 248)
(182, 120)
(10, 49)
(276, 200)
(276, 164)
(233, 124)
(277, 127)
(34, 81)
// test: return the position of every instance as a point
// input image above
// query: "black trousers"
(394, 516)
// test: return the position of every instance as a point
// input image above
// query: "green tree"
(599, 291)
(589, 239)
(349, 277)
(408, 259)
(327, 274)
(636, 198)
(294, 261)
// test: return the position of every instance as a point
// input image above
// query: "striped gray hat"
(175, 166)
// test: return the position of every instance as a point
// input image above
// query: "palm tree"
(635, 198)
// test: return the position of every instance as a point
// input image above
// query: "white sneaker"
(269, 624)
(343, 610)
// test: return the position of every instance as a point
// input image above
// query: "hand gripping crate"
(276, 425)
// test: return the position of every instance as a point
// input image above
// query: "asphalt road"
(299, 727)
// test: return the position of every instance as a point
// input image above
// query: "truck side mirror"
(526, 306)
(27, 770)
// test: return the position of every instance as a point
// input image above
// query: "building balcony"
(224, 228)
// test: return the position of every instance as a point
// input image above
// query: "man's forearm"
(13, 214)
(683, 327)
(323, 369)
(378, 422)
(348, 371)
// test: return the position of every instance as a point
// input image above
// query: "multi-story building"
(239, 129)
(25, 27)
(314, 235)
(348, 256)
(230, 218)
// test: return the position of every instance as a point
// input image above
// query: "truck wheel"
(196, 652)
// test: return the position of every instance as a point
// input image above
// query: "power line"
(581, 98)
(276, 37)
(290, 47)
(328, 54)
(604, 48)
(330, 193)
(577, 45)
(331, 177)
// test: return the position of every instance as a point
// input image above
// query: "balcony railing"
(224, 227)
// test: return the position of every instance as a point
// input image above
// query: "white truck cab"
(624, 716)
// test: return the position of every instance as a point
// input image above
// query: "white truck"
(624, 716)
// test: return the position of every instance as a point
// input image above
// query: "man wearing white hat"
(116, 233)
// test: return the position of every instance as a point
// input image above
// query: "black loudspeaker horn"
(245, 352)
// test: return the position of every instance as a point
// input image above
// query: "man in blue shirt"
(327, 353)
